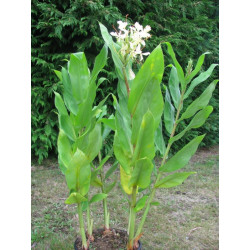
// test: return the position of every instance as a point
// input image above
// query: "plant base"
(116, 239)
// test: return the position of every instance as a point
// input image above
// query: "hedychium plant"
(138, 125)
(80, 136)
(99, 177)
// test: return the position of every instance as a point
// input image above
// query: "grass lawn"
(187, 217)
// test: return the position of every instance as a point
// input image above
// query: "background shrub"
(61, 27)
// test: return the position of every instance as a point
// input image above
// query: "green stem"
(152, 194)
(132, 219)
(104, 202)
(126, 80)
(84, 242)
(89, 222)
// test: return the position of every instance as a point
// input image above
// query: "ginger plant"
(139, 109)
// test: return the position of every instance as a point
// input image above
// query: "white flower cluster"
(132, 39)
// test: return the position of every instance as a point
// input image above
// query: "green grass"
(187, 217)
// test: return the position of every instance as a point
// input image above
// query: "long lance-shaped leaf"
(159, 140)
(173, 180)
(146, 92)
(110, 186)
(78, 174)
(65, 122)
(177, 65)
(123, 148)
(64, 150)
(198, 120)
(69, 100)
(197, 68)
(60, 104)
(199, 103)
(174, 87)
(111, 170)
(145, 143)
(141, 174)
(58, 74)
(113, 48)
(79, 76)
(169, 113)
(201, 78)
(100, 62)
(97, 197)
(182, 157)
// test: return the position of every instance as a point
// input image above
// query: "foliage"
(80, 132)
(61, 27)
(138, 116)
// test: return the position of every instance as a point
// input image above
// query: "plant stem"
(132, 219)
(126, 80)
(152, 194)
(89, 222)
(104, 201)
(84, 242)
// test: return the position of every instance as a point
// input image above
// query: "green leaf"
(110, 122)
(95, 181)
(159, 140)
(197, 68)
(174, 87)
(79, 76)
(112, 46)
(141, 203)
(199, 103)
(75, 198)
(84, 115)
(125, 178)
(111, 170)
(169, 113)
(146, 92)
(78, 174)
(145, 143)
(100, 62)
(182, 157)
(69, 100)
(64, 148)
(141, 174)
(123, 148)
(104, 160)
(66, 125)
(155, 203)
(58, 74)
(91, 143)
(179, 69)
(109, 187)
(60, 104)
(173, 180)
(97, 197)
(101, 80)
(201, 78)
(198, 120)
(85, 205)
(61, 165)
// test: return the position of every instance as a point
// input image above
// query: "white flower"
(131, 39)
(138, 26)
(114, 34)
(122, 25)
